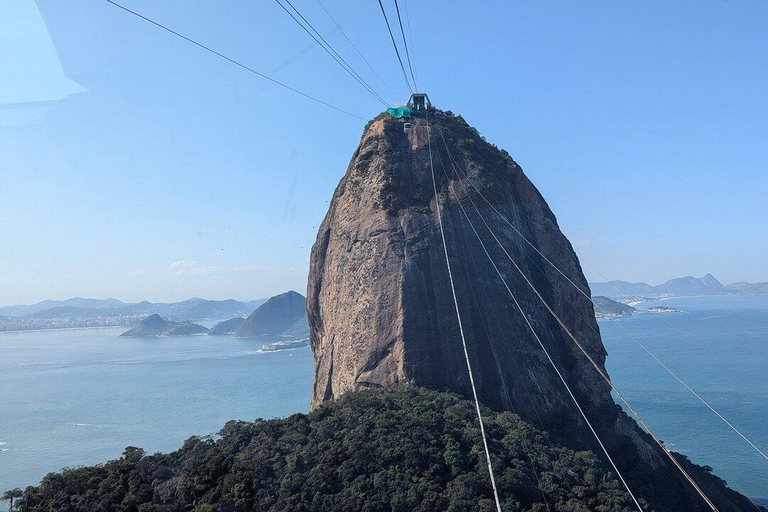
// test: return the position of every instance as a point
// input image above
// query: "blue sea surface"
(718, 345)
(78, 397)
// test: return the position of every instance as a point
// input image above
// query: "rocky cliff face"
(379, 299)
(381, 312)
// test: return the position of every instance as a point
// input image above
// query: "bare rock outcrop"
(379, 301)
(381, 311)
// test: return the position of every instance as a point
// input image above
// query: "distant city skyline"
(137, 166)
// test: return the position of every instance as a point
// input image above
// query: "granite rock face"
(381, 310)
(380, 306)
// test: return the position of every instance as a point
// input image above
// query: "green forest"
(390, 450)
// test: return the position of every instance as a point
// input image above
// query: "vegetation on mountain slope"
(275, 317)
(606, 308)
(156, 326)
(226, 327)
(408, 449)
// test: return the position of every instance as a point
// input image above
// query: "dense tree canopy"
(404, 450)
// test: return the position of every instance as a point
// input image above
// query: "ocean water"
(720, 349)
(80, 397)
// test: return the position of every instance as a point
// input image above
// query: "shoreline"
(56, 329)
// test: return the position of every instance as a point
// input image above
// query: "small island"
(663, 309)
(154, 326)
(609, 308)
(606, 308)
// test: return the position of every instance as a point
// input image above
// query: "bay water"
(718, 345)
(79, 397)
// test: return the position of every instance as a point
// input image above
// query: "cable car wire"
(405, 44)
(599, 370)
(325, 45)
(535, 335)
(357, 50)
(233, 61)
(461, 327)
(397, 52)
(593, 329)
(621, 327)
(410, 37)
(505, 388)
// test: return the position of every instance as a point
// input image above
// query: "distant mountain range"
(681, 286)
(283, 316)
(75, 302)
(748, 288)
(188, 310)
(78, 312)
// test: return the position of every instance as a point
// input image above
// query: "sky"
(135, 165)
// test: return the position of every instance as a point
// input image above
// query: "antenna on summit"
(418, 105)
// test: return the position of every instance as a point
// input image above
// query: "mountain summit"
(382, 315)
(379, 299)
(280, 315)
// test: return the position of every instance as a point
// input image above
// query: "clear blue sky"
(135, 165)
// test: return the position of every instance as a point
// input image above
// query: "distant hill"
(300, 329)
(276, 317)
(707, 285)
(190, 309)
(75, 302)
(79, 312)
(196, 309)
(70, 311)
(226, 327)
(215, 309)
(681, 286)
(607, 308)
(185, 329)
(156, 326)
(748, 288)
(617, 288)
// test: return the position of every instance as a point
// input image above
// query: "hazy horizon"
(302, 291)
(137, 166)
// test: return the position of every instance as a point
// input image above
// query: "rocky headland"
(155, 326)
(381, 312)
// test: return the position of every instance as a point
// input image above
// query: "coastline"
(61, 329)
